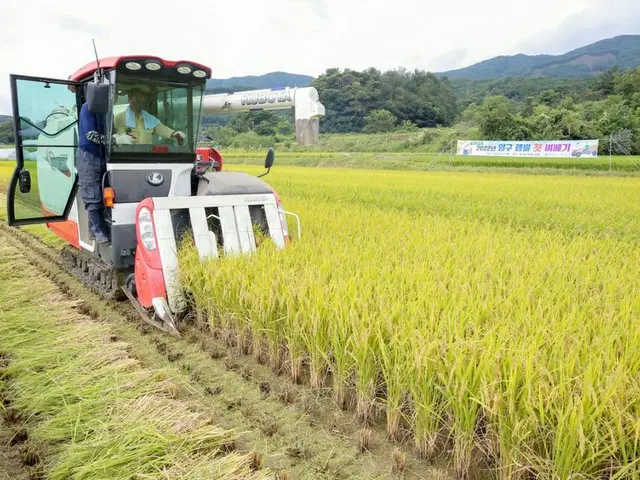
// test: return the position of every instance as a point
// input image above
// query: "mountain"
(4, 117)
(623, 51)
(253, 82)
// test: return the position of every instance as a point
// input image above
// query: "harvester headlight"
(133, 65)
(145, 224)
(200, 73)
(153, 66)
(184, 69)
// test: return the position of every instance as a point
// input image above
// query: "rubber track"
(93, 273)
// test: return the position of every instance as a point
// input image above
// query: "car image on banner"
(586, 151)
(556, 148)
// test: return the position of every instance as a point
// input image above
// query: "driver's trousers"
(91, 168)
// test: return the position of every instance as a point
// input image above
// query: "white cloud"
(252, 37)
(597, 20)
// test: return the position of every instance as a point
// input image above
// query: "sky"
(253, 37)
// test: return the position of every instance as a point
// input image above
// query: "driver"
(136, 125)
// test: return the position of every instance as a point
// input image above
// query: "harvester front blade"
(167, 326)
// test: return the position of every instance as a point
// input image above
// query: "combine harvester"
(152, 193)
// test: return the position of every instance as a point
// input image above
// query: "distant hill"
(4, 117)
(623, 51)
(256, 82)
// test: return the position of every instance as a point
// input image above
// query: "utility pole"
(610, 155)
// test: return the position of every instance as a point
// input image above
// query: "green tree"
(263, 122)
(379, 121)
(417, 97)
(554, 123)
(498, 121)
(285, 128)
(605, 83)
(6, 132)
(628, 83)
(407, 126)
(347, 96)
(577, 109)
(551, 98)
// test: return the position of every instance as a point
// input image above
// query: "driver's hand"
(123, 139)
(180, 136)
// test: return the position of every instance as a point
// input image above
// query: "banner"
(559, 148)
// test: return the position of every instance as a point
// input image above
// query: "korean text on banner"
(560, 148)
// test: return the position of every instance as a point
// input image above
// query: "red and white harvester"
(153, 192)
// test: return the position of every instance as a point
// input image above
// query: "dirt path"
(300, 433)
(11, 466)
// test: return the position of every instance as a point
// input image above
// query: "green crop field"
(27, 205)
(6, 169)
(603, 165)
(498, 314)
(492, 318)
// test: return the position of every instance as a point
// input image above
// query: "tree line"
(499, 109)
(370, 100)
(608, 104)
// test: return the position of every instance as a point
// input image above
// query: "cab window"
(149, 113)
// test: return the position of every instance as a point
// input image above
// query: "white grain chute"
(304, 100)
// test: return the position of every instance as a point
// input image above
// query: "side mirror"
(24, 180)
(268, 162)
(98, 97)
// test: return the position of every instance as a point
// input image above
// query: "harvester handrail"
(297, 218)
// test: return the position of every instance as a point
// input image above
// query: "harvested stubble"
(93, 411)
(497, 312)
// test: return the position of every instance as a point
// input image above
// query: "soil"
(17, 456)
(11, 467)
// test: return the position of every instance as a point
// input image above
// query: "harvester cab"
(157, 184)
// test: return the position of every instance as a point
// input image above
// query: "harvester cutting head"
(222, 219)
(157, 184)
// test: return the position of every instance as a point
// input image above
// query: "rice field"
(488, 318)
(434, 160)
(493, 316)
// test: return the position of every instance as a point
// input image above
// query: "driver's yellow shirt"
(141, 135)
